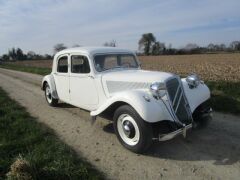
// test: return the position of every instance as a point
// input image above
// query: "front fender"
(152, 111)
(50, 80)
(196, 96)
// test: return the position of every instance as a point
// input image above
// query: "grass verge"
(225, 95)
(29, 150)
(34, 70)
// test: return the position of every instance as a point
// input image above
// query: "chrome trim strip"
(186, 100)
(180, 98)
(176, 95)
(171, 105)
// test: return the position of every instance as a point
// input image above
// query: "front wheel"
(202, 117)
(48, 95)
(202, 121)
(132, 131)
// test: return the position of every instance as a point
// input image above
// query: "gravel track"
(211, 153)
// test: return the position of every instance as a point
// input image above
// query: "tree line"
(147, 45)
(17, 54)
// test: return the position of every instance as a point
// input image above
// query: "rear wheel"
(132, 131)
(48, 95)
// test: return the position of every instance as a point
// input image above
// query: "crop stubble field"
(210, 67)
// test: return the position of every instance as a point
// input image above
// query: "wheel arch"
(110, 110)
(44, 85)
(49, 79)
(150, 111)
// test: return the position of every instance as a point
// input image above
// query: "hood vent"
(117, 86)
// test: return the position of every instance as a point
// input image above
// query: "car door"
(61, 77)
(83, 92)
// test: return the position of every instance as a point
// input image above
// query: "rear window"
(63, 65)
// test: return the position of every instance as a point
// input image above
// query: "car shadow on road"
(109, 128)
(200, 145)
(219, 142)
(65, 105)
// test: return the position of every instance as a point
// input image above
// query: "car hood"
(115, 81)
(136, 76)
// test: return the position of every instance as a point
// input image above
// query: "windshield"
(112, 61)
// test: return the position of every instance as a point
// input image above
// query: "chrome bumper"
(183, 131)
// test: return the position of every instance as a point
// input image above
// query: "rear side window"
(63, 65)
(79, 64)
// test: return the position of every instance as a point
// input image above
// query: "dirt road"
(212, 153)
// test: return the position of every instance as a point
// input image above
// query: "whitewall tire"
(132, 131)
(48, 95)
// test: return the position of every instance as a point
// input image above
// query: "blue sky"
(39, 24)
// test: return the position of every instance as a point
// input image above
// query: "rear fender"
(50, 80)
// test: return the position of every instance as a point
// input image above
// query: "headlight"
(193, 80)
(158, 89)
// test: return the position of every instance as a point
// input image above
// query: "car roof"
(94, 50)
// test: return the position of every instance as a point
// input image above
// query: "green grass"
(34, 70)
(225, 95)
(24, 139)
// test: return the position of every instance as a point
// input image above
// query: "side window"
(63, 65)
(79, 64)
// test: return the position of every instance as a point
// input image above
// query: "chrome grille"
(179, 103)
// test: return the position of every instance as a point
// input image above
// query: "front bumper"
(183, 131)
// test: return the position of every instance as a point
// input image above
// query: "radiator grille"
(179, 103)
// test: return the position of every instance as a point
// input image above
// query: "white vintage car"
(144, 105)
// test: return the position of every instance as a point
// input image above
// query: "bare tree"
(158, 48)
(211, 47)
(12, 54)
(222, 47)
(31, 55)
(146, 42)
(20, 55)
(235, 45)
(112, 43)
(5, 57)
(59, 47)
(76, 45)
(191, 46)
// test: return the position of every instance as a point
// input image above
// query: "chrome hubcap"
(48, 94)
(128, 129)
